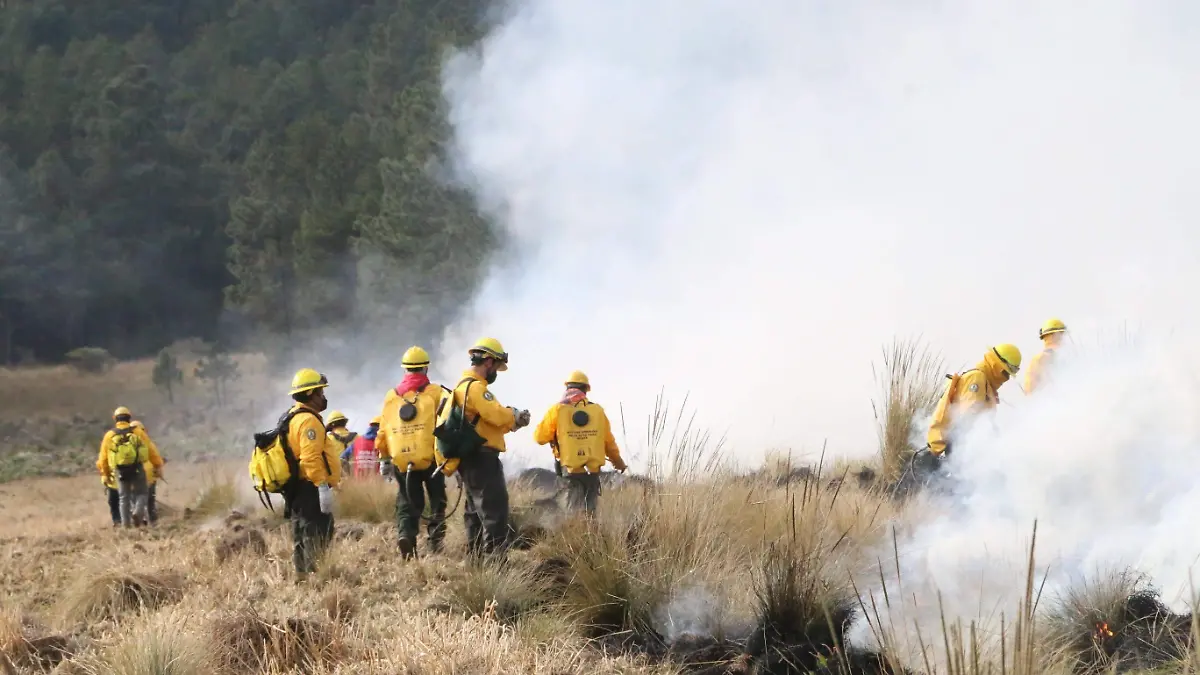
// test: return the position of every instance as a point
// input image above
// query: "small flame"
(1103, 631)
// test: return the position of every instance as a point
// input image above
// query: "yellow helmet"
(122, 411)
(490, 347)
(307, 379)
(335, 417)
(415, 357)
(578, 377)
(1052, 326)
(1010, 356)
(376, 420)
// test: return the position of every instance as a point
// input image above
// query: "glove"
(619, 465)
(385, 467)
(520, 418)
(326, 497)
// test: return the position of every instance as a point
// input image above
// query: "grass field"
(703, 570)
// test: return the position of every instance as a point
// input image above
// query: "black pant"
(485, 511)
(114, 504)
(152, 506)
(410, 504)
(311, 530)
(583, 492)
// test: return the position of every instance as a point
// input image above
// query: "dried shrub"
(245, 642)
(240, 539)
(113, 593)
(29, 646)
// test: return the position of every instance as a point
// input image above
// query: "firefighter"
(128, 459)
(309, 504)
(361, 455)
(485, 510)
(1051, 334)
(153, 472)
(340, 437)
(407, 449)
(581, 437)
(970, 392)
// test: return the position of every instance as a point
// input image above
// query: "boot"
(408, 549)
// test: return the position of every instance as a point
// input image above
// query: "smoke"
(744, 204)
(1102, 458)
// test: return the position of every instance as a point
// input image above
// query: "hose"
(403, 486)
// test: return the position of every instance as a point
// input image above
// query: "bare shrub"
(90, 360)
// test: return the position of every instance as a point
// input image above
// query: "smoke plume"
(743, 202)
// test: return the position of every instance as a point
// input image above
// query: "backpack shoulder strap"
(466, 394)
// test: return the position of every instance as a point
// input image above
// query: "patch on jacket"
(487, 396)
(312, 435)
(974, 387)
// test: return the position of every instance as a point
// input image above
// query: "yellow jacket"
(340, 443)
(969, 392)
(1039, 366)
(155, 461)
(495, 419)
(547, 432)
(318, 458)
(420, 448)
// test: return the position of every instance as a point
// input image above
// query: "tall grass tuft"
(909, 388)
(112, 593)
(369, 500)
(153, 652)
(506, 592)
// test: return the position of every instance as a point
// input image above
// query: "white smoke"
(745, 201)
(1103, 459)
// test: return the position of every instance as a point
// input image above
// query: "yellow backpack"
(127, 453)
(273, 466)
(580, 435)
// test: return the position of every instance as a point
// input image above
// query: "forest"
(225, 169)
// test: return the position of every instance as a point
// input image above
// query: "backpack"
(273, 466)
(127, 453)
(456, 435)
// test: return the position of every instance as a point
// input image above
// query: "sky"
(744, 203)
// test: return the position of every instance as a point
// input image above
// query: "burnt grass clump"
(1140, 634)
(802, 623)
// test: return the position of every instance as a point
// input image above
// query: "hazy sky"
(746, 201)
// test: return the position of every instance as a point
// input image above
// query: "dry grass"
(27, 645)
(245, 641)
(162, 646)
(703, 571)
(910, 384)
(108, 591)
(369, 500)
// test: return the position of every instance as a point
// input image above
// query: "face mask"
(491, 378)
